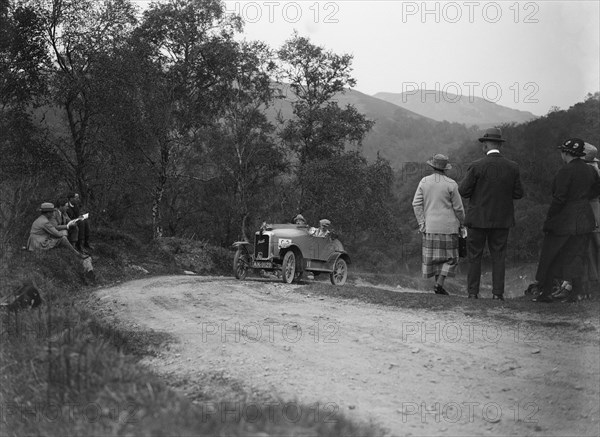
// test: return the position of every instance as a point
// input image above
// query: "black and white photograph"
(299, 218)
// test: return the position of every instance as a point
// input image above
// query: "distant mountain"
(399, 135)
(472, 111)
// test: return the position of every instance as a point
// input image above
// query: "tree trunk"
(244, 226)
(159, 189)
(157, 231)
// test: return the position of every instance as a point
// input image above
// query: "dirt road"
(413, 372)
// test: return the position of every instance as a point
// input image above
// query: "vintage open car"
(290, 250)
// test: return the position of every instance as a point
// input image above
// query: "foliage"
(242, 145)
(165, 124)
(321, 128)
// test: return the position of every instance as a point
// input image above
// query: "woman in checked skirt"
(440, 213)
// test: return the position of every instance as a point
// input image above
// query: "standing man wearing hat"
(439, 211)
(569, 223)
(491, 184)
(44, 235)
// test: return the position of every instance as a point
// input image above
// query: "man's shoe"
(473, 296)
(543, 298)
(440, 290)
(87, 246)
(497, 297)
(563, 292)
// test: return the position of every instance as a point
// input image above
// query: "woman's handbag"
(462, 242)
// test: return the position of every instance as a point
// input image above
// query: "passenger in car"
(323, 229)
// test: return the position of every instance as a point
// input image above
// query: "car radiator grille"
(261, 247)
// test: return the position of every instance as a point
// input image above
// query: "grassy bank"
(66, 371)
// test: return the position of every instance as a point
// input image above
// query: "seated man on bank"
(45, 236)
(322, 231)
(61, 221)
(74, 211)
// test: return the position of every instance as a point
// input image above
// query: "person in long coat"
(491, 184)
(440, 213)
(569, 223)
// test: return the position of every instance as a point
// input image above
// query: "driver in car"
(300, 220)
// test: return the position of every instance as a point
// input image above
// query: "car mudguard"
(334, 257)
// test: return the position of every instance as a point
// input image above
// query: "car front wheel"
(340, 272)
(241, 263)
(288, 268)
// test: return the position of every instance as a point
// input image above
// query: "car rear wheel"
(241, 263)
(340, 272)
(288, 268)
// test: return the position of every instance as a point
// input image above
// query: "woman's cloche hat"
(439, 162)
(573, 146)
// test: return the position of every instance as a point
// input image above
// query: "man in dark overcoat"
(491, 184)
(569, 223)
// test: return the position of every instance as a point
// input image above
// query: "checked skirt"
(440, 254)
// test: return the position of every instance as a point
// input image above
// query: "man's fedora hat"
(439, 162)
(492, 134)
(573, 146)
(591, 153)
(47, 207)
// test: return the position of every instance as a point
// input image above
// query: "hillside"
(399, 135)
(472, 111)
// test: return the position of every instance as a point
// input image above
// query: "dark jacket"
(491, 184)
(570, 212)
(73, 210)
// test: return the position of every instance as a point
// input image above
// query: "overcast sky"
(525, 55)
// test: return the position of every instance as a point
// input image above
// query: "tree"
(356, 196)
(183, 41)
(23, 56)
(320, 129)
(24, 159)
(242, 144)
(82, 34)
